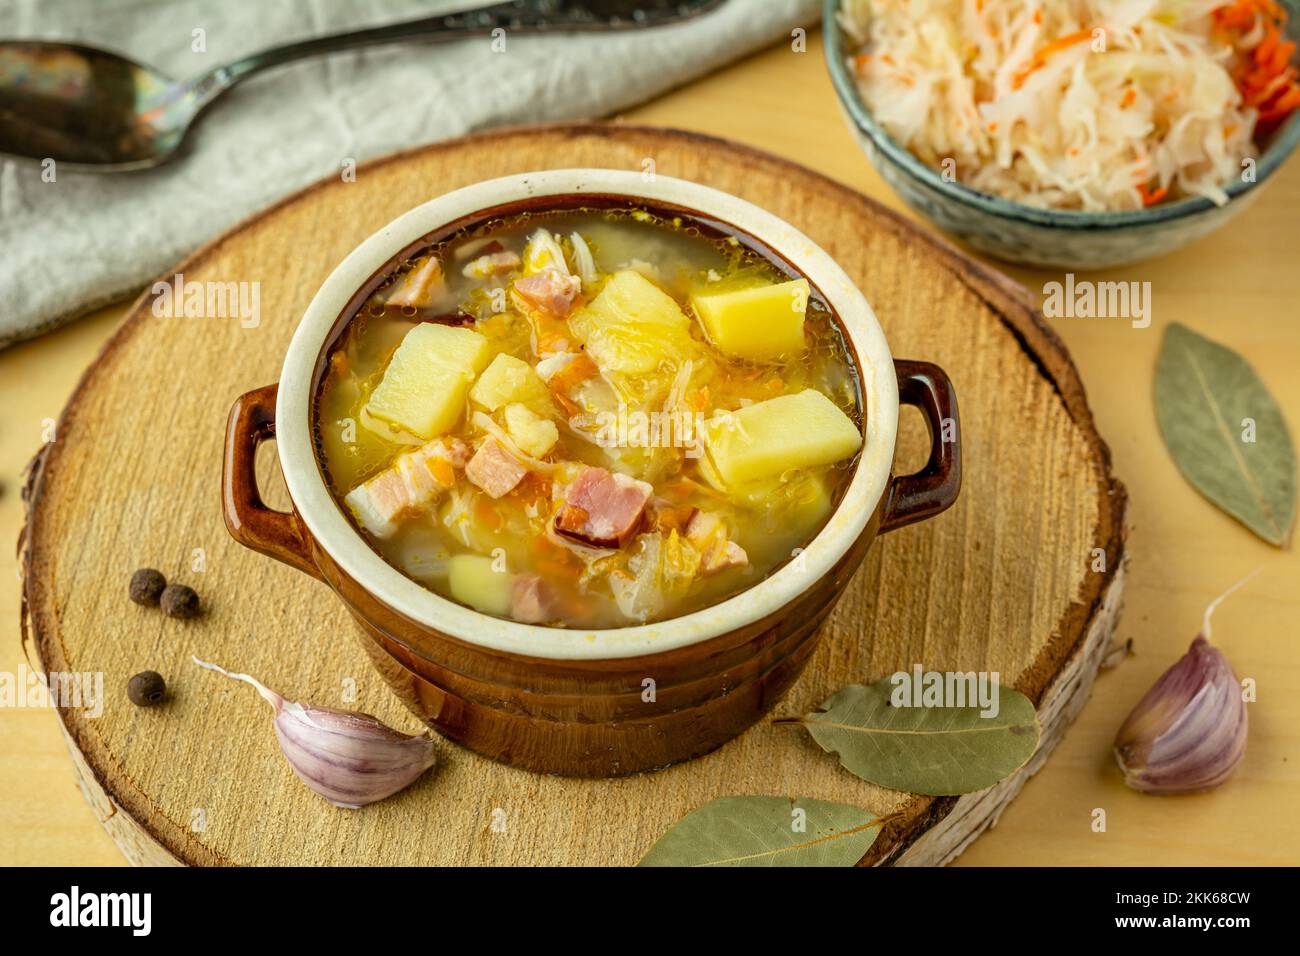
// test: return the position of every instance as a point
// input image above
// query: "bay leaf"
(767, 831)
(1205, 392)
(932, 750)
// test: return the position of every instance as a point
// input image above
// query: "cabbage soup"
(592, 415)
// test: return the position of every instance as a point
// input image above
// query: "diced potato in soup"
(508, 380)
(593, 417)
(763, 322)
(474, 580)
(423, 389)
(789, 432)
(532, 433)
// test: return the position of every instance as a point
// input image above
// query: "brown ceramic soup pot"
(562, 700)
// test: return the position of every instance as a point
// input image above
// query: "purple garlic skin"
(1188, 732)
(351, 759)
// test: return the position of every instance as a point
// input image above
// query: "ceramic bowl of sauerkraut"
(1073, 134)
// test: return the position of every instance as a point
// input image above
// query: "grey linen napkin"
(85, 240)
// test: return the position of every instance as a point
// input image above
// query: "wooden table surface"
(1240, 286)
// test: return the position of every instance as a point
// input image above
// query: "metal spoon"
(98, 111)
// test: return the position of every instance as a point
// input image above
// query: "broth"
(594, 417)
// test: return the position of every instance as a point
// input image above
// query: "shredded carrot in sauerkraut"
(1265, 75)
(1092, 105)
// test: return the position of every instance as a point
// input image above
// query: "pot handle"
(934, 488)
(248, 519)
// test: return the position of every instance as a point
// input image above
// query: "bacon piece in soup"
(407, 487)
(708, 533)
(492, 264)
(530, 599)
(602, 509)
(420, 287)
(549, 291)
(494, 469)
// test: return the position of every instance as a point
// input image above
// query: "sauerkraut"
(1077, 104)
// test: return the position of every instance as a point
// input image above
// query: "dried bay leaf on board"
(767, 831)
(937, 751)
(1205, 393)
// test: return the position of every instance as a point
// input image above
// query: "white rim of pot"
(336, 535)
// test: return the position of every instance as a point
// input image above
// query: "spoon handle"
(512, 16)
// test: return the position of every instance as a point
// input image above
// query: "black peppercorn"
(180, 601)
(146, 689)
(146, 585)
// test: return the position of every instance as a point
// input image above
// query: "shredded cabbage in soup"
(1077, 104)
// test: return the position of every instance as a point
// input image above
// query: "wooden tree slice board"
(1023, 576)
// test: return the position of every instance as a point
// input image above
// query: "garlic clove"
(1188, 732)
(351, 759)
